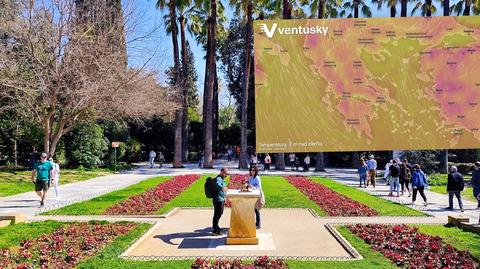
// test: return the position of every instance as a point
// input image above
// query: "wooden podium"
(242, 218)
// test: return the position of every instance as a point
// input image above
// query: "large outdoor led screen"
(367, 84)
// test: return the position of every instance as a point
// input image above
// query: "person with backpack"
(405, 176)
(216, 188)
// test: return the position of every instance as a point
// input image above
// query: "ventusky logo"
(268, 32)
(295, 30)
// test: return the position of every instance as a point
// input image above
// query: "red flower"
(333, 203)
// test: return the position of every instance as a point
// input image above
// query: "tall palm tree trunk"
(403, 8)
(243, 162)
(429, 8)
(183, 41)
(355, 8)
(321, 9)
(211, 55)
(393, 11)
(287, 15)
(446, 7)
(205, 95)
(177, 151)
(468, 7)
(215, 148)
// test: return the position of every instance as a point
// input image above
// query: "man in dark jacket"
(219, 200)
(476, 182)
(455, 185)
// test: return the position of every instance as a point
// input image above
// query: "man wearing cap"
(41, 175)
(219, 200)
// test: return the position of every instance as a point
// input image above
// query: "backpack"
(209, 187)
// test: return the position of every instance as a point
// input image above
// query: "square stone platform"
(286, 233)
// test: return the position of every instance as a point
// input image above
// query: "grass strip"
(13, 235)
(98, 205)
(382, 206)
(14, 182)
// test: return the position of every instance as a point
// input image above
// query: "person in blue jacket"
(476, 182)
(419, 182)
(219, 200)
(362, 173)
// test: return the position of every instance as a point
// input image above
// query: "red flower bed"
(65, 247)
(235, 183)
(259, 263)
(408, 248)
(330, 201)
(151, 200)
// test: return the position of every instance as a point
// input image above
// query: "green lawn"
(97, 205)
(455, 237)
(12, 235)
(278, 194)
(13, 182)
(108, 258)
(382, 206)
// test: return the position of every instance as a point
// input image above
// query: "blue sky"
(157, 48)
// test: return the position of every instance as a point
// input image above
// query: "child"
(362, 172)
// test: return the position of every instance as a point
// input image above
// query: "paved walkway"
(437, 202)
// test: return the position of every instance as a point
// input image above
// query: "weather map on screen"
(367, 84)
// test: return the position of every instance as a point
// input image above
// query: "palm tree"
(172, 24)
(321, 9)
(426, 8)
(356, 6)
(465, 7)
(245, 6)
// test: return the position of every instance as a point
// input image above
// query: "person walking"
(255, 182)
(297, 163)
(291, 158)
(151, 157)
(405, 177)
(476, 182)
(253, 160)
(419, 182)
(394, 174)
(218, 200)
(386, 175)
(41, 176)
(55, 176)
(229, 154)
(306, 163)
(455, 186)
(33, 159)
(372, 170)
(200, 159)
(161, 159)
(268, 161)
(362, 173)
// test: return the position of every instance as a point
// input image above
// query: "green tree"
(88, 145)
(355, 6)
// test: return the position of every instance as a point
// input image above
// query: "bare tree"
(62, 68)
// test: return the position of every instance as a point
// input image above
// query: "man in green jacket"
(219, 200)
(43, 171)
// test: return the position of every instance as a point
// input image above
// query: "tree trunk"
(429, 7)
(393, 11)
(403, 10)
(443, 167)
(286, 10)
(183, 42)
(321, 9)
(211, 54)
(319, 163)
(446, 7)
(215, 148)
(15, 146)
(355, 159)
(355, 8)
(466, 10)
(205, 86)
(280, 161)
(177, 150)
(243, 162)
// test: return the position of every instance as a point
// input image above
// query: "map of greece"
(367, 84)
